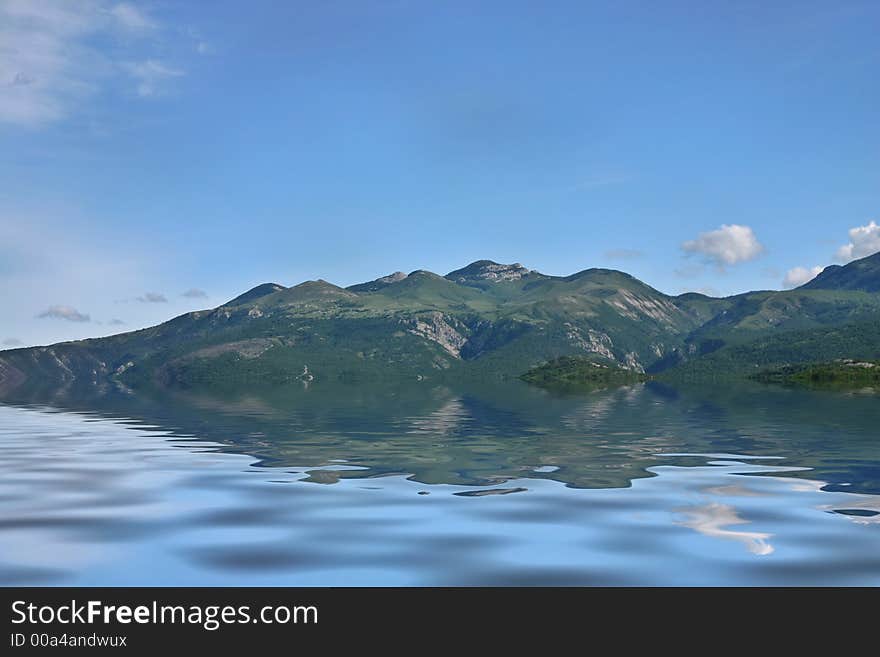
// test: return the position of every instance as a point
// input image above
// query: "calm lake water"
(421, 485)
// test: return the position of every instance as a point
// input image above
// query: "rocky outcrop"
(589, 340)
(445, 331)
(10, 376)
(252, 348)
(635, 307)
(486, 270)
(632, 362)
(62, 363)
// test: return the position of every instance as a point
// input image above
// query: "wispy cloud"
(195, 293)
(64, 312)
(51, 63)
(12, 342)
(48, 257)
(863, 241)
(152, 297)
(131, 17)
(728, 245)
(116, 322)
(201, 45)
(799, 275)
(151, 76)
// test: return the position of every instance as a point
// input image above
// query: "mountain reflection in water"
(494, 484)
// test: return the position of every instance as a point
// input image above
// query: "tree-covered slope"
(484, 320)
(841, 374)
(773, 350)
(574, 372)
(863, 274)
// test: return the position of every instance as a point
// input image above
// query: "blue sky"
(152, 149)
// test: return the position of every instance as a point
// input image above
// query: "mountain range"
(484, 320)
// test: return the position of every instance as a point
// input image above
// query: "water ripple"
(602, 495)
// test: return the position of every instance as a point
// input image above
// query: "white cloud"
(728, 245)
(195, 293)
(116, 322)
(150, 76)
(50, 64)
(863, 241)
(42, 59)
(64, 312)
(199, 43)
(800, 275)
(52, 254)
(153, 297)
(12, 342)
(131, 17)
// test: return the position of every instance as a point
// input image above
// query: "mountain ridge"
(486, 319)
(862, 274)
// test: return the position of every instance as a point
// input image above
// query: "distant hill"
(841, 374)
(782, 349)
(861, 275)
(579, 372)
(485, 320)
(255, 293)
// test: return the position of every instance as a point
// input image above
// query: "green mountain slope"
(860, 341)
(841, 374)
(486, 320)
(861, 275)
(255, 293)
(576, 372)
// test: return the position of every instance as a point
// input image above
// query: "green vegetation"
(578, 371)
(861, 274)
(839, 374)
(774, 350)
(486, 321)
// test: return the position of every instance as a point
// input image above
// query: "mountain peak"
(862, 274)
(255, 293)
(317, 285)
(392, 278)
(378, 284)
(597, 272)
(489, 271)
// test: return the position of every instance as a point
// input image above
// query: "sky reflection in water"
(432, 486)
